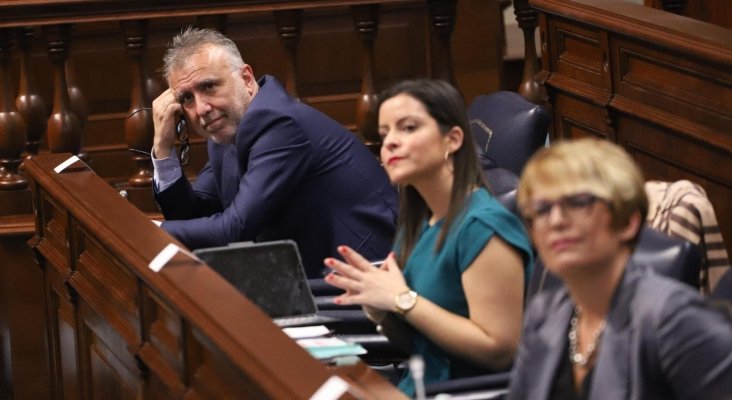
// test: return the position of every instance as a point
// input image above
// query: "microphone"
(416, 366)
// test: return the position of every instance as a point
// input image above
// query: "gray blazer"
(661, 342)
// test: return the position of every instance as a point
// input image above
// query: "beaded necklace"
(575, 354)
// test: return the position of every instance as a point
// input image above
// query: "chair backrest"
(504, 185)
(723, 290)
(721, 296)
(669, 256)
(507, 128)
(673, 257)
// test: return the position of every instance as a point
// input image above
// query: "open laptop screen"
(270, 274)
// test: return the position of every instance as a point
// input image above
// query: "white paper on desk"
(156, 222)
(163, 257)
(66, 164)
(302, 332)
(331, 389)
(166, 254)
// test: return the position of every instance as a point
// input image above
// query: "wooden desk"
(119, 330)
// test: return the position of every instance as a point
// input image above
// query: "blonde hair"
(589, 165)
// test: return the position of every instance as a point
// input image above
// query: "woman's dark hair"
(445, 104)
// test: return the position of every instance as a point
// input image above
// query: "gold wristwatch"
(405, 301)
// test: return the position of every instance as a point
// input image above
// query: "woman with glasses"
(615, 330)
(453, 290)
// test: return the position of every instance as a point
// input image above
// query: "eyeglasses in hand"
(181, 130)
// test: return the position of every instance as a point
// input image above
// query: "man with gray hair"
(277, 168)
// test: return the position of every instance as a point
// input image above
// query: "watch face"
(406, 300)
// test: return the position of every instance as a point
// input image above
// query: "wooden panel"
(23, 343)
(575, 118)
(54, 230)
(42, 12)
(669, 101)
(163, 335)
(680, 86)
(61, 324)
(579, 54)
(110, 288)
(212, 376)
(682, 158)
(3, 340)
(109, 367)
(15, 202)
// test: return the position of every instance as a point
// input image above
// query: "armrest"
(491, 385)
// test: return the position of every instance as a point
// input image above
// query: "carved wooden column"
(64, 128)
(139, 129)
(12, 127)
(442, 17)
(289, 28)
(366, 20)
(29, 101)
(528, 21)
(77, 101)
(153, 88)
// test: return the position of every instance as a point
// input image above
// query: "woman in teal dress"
(457, 299)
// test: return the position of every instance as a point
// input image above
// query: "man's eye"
(185, 98)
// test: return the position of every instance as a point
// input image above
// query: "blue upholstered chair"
(503, 184)
(723, 290)
(672, 257)
(721, 295)
(507, 129)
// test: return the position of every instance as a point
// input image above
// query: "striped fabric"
(682, 209)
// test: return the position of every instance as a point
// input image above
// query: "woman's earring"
(447, 154)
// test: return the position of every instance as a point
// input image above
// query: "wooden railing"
(111, 49)
(118, 329)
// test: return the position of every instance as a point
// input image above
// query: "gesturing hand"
(364, 284)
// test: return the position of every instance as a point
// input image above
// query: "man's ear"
(249, 80)
(455, 137)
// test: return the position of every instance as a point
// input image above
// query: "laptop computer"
(271, 275)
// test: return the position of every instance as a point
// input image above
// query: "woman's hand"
(374, 288)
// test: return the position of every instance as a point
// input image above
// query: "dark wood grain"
(658, 83)
(120, 330)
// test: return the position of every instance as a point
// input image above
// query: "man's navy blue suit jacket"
(293, 173)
